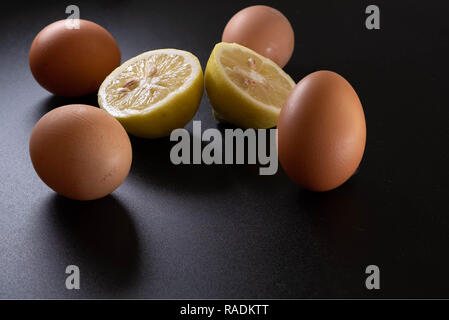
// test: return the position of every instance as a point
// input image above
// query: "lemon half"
(245, 88)
(154, 93)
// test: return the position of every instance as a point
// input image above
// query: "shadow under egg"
(101, 234)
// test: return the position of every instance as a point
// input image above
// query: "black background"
(224, 231)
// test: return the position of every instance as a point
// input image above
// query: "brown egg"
(80, 151)
(73, 62)
(321, 132)
(264, 30)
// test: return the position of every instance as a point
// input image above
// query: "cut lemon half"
(154, 93)
(245, 88)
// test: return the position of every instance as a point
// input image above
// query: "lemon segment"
(154, 93)
(245, 88)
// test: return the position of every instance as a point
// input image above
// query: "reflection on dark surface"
(343, 206)
(102, 234)
(341, 221)
(357, 224)
(341, 216)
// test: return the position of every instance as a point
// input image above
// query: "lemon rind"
(219, 47)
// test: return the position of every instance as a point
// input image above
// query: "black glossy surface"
(224, 231)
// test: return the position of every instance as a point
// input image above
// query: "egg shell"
(264, 30)
(321, 132)
(73, 62)
(80, 151)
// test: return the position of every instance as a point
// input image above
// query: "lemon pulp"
(260, 80)
(245, 88)
(154, 93)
